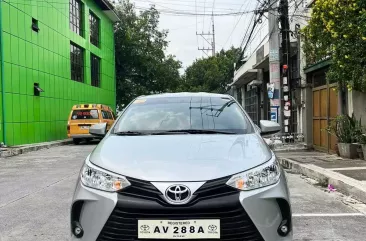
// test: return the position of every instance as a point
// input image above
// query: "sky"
(184, 43)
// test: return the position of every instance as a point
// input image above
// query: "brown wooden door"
(325, 107)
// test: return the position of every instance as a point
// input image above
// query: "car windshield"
(189, 114)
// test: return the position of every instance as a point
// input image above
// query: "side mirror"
(269, 127)
(99, 130)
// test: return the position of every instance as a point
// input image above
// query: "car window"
(84, 114)
(110, 116)
(164, 114)
(105, 115)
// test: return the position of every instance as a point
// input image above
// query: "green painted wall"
(44, 58)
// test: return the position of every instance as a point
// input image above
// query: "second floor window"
(94, 29)
(77, 63)
(76, 17)
(95, 70)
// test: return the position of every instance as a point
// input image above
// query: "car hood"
(181, 158)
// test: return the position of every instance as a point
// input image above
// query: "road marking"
(327, 214)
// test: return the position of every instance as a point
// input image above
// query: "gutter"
(2, 74)
(108, 10)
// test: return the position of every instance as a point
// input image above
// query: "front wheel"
(76, 141)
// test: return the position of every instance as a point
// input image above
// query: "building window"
(94, 29)
(76, 17)
(95, 70)
(77, 63)
(239, 99)
(251, 104)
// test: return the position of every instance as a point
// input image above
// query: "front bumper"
(113, 216)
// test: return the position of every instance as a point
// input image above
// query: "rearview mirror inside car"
(99, 130)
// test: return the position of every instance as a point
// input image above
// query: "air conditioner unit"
(255, 83)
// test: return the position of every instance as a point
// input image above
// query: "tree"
(210, 74)
(337, 30)
(141, 64)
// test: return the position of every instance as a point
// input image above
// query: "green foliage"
(346, 128)
(141, 64)
(210, 74)
(337, 30)
(363, 139)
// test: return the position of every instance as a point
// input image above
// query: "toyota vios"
(182, 166)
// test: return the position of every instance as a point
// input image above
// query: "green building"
(54, 54)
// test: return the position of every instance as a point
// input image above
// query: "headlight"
(261, 176)
(94, 177)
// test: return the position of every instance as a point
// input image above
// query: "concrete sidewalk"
(347, 176)
(17, 150)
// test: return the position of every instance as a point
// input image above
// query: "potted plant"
(363, 145)
(347, 129)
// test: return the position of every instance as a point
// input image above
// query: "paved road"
(36, 190)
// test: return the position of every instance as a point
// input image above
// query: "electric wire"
(236, 23)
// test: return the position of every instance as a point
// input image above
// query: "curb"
(18, 150)
(343, 184)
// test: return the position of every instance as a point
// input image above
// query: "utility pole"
(213, 36)
(212, 43)
(274, 63)
(286, 69)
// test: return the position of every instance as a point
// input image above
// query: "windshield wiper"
(130, 133)
(193, 131)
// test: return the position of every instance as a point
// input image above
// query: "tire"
(76, 141)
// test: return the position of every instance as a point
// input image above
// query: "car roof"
(185, 94)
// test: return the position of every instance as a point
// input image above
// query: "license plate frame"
(179, 229)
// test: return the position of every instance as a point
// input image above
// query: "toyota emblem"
(212, 228)
(178, 194)
(144, 228)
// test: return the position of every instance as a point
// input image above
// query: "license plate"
(84, 127)
(179, 229)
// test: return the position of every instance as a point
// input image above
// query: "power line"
(216, 2)
(250, 35)
(235, 24)
(256, 21)
(186, 13)
(204, 12)
(179, 4)
(247, 31)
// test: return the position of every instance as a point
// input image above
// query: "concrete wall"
(245, 67)
(357, 105)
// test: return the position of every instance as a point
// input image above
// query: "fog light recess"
(283, 229)
(77, 230)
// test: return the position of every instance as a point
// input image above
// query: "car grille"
(235, 223)
(211, 189)
(214, 200)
